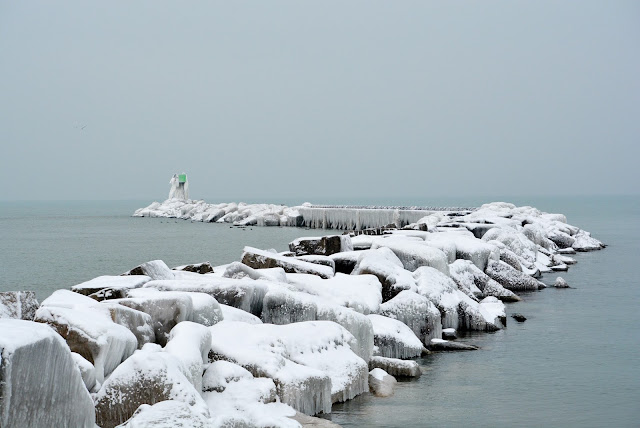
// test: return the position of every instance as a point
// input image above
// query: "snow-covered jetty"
(272, 337)
(341, 217)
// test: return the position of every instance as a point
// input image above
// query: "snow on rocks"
(18, 304)
(448, 345)
(323, 246)
(92, 334)
(560, 283)
(584, 242)
(345, 262)
(110, 287)
(513, 240)
(510, 278)
(260, 259)
(167, 414)
(149, 376)
(237, 270)
(87, 371)
(393, 339)
(414, 254)
(396, 367)
(41, 384)
(381, 383)
(190, 343)
(467, 247)
(415, 311)
(234, 314)
(310, 362)
(387, 267)
(468, 276)
(286, 307)
(362, 293)
(201, 268)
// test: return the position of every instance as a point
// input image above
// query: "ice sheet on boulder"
(167, 414)
(190, 343)
(387, 267)
(393, 339)
(417, 312)
(510, 278)
(40, 382)
(260, 259)
(415, 254)
(118, 285)
(467, 275)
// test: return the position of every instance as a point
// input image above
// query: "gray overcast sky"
(313, 99)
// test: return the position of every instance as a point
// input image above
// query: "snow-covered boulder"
(92, 334)
(311, 362)
(245, 294)
(260, 259)
(396, 367)
(345, 262)
(560, 282)
(415, 311)
(584, 242)
(87, 371)
(155, 269)
(110, 287)
(18, 304)
(149, 376)
(393, 339)
(415, 254)
(168, 308)
(190, 343)
(362, 293)
(467, 276)
(322, 245)
(381, 383)
(40, 384)
(237, 270)
(236, 398)
(510, 278)
(167, 414)
(387, 267)
(449, 345)
(286, 307)
(234, 314)
(319, 260)
(467, 247)
(201, 268)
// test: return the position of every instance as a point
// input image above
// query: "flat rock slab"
(447, 345)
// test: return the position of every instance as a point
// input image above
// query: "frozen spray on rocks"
(273, 335)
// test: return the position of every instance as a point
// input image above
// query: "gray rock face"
(259, 259)
(447, 345)
(510, 278)
(200, 268)
(381, 384)
(18, 304)
(396, 367)
(321, 246)
(40, 384)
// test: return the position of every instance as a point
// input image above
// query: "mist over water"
(574, 362)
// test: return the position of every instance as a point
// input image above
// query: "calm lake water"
(574, 362)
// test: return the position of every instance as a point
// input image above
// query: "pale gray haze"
(276, 99)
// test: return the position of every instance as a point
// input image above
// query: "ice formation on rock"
(117, 286)
(415, 254)
(417, 312)
(396, 367)
(467, 276)
(260, 259)
(40, 384)
(381, 383)
(167, 414)
(388, 268)
(393, 339)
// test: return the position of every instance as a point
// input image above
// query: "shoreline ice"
(261, 340)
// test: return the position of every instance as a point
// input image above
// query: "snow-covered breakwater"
(252, 342)
(348, 217)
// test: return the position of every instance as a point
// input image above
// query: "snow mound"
(415, 254)
(167, 414)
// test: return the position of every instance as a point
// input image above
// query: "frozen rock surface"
(323, 246)
(40, 384)
(447, 345)
(393, 339)
(396, 367)
(112, 287)
(510, 278)
(417, 312)
(381, 383)
(467, 275)
(201, 268)
(167, 414)
(234, 314)
(87, 371)
(560, 283)
(149, 376)
(387, 267)
(260, 259)
(415, 254)
(190, 343)
(18, 304)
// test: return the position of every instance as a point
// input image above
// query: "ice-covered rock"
(448, 345)
(584, 242)
(560, 283)
(234, 314)
(237, 270)
(319, 260)
(416, 312)
(322, 245)
(493, 311)
(112, 287)
(286, 307)
(561, 239)
(393, 339)
(467, 247)
(201, 268)
(190, 343)
(87, 371)
(149, 376)
(363, 293)
(415, 254)
(167, 414)
(345, 262)
(449, 334)
(260, 259)
(467, 275)
(387, 267)
(40, 384)
(92, 334)
(396, 367)
(381, 383)
(510, 278)
(155, 269)
(18, 304)
(245, 294)
(514, 240)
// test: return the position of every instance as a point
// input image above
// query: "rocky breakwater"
(273, 337)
